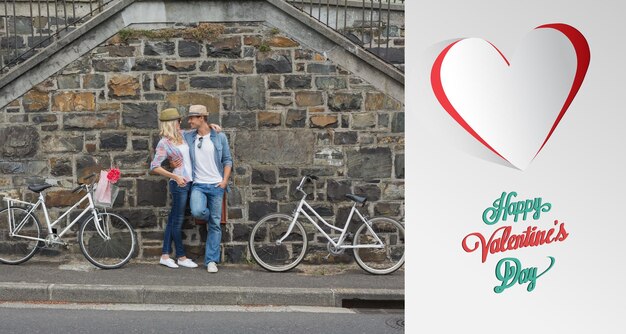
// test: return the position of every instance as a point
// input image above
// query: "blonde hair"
(168, 130)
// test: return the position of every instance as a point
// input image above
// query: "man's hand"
(223, 184)
(216, 127)
(176, 163)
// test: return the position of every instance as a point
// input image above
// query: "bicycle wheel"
(114, 252)
(380, 261)
(17, 249)
(263, 245)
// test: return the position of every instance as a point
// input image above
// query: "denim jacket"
(222, 150)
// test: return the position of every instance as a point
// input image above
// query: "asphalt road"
(144, 319)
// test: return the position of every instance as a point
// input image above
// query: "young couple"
(205, 169)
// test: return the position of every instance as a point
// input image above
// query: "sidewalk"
(80, 282)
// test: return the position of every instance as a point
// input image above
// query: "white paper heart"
(512, 108)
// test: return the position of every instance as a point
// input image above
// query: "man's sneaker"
(168, 263)
(211, 267)
(187, 263)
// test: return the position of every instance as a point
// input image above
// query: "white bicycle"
(106, 239)
(278, 242)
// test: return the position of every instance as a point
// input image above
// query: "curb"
(190, 295)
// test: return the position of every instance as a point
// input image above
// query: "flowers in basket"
(113, 175)
(106, 190)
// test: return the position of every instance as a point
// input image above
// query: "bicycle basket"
(105, 202)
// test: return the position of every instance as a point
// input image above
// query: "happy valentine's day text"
(509, 271)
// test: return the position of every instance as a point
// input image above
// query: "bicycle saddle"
(358, 199)
(39, 187)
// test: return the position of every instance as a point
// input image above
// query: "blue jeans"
(206, 204)
(175, 219)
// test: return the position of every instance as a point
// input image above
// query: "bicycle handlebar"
(81, 184)
(306, 178)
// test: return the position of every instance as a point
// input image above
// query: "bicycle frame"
(41, 201)
(339, 244)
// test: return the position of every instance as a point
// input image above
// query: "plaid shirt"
(166, 149)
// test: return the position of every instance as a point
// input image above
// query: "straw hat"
(198, 110)
(169, 114)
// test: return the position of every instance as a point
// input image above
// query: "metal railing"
(372, 24)
(27, 26)
(30, 25)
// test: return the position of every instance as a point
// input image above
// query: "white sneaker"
(168, 263)
(211, 267)
(187, 263)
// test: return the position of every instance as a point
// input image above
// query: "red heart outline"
(583, 56)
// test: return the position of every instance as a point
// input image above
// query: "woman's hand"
(180, 180)
(216, 127)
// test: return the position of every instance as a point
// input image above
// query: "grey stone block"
(257, 210)
(212, 82)
(298, 81)
(370, 163)
(296, 147)
(397, 124)
(235, 253)
(24, 292)
(113, 141)
(111, 65)
(138, 218)
(62, 143)
(287, 296)
(336, 190)
(239, 120)
(228, 47)
(131, 294)
(90, 122)
(261, 176)
(140, 115)
(18, 141)
(273, 62)
(148, 64)
(345, 101)
(218, 295)
(189, 49)
(250, 93)
(321, 69)
(159, 48)
(330, 83)
(399, 166)
(151, 192)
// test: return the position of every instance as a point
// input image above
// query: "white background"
(580, 172)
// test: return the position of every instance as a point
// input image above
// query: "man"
(212, 164)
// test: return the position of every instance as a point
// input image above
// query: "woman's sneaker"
(168, 263)
(187, 263)
(211, 267)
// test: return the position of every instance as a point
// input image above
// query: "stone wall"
(286, 109)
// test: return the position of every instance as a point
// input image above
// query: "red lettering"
(503, 240)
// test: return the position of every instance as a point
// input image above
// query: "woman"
(173, 147)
